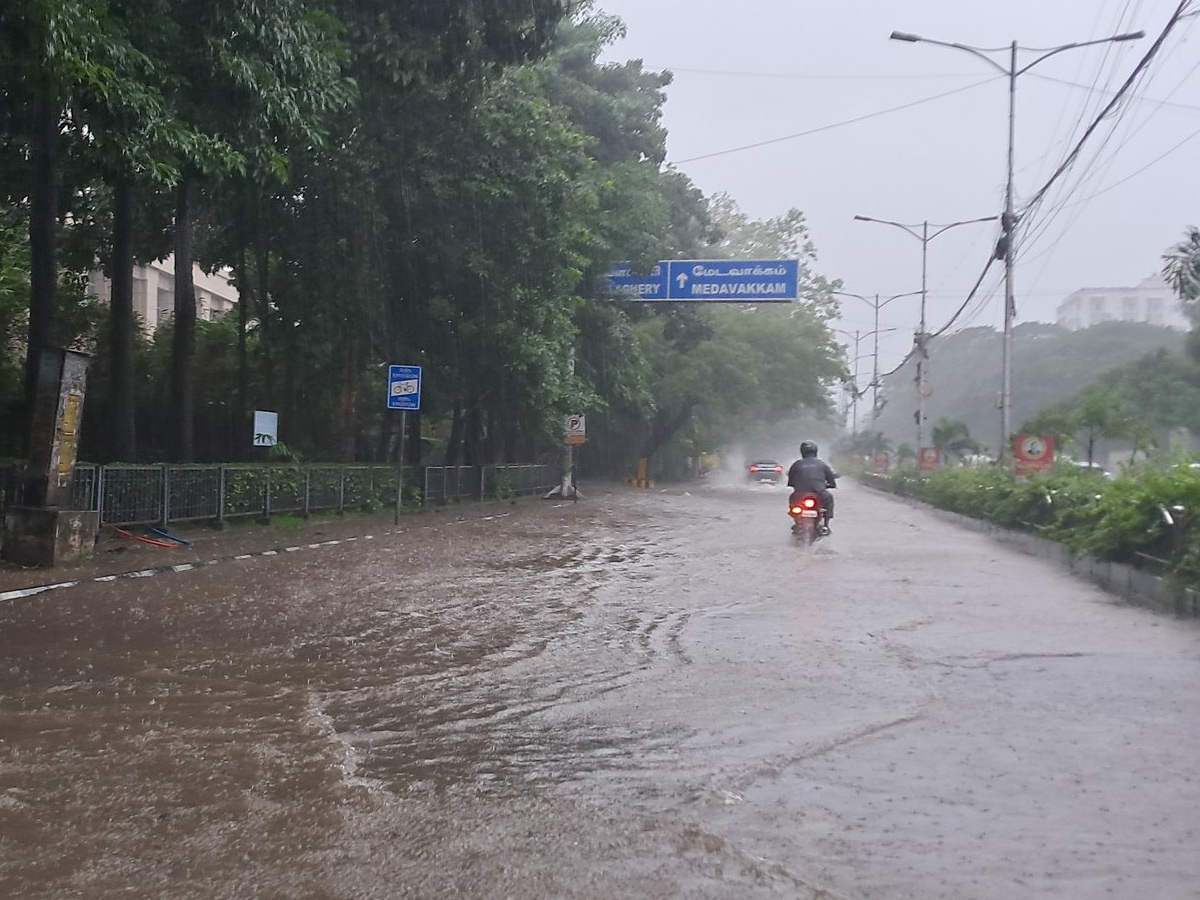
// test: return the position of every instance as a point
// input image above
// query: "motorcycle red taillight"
(809, 503)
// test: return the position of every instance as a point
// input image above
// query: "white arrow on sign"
(682, 279)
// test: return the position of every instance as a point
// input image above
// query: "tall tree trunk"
(184, 346)
(349, 410)
(389, 429)
(454, 444)
(245, 295)
(412, 443)
(124, 401)
(43, 225)
(263, 294)
(473, 438)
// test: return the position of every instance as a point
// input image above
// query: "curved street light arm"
(898, 296)
(943, 228)
(1116, 38)
(899, 225)
(981, 52)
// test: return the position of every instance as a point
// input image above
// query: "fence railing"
(131, 495)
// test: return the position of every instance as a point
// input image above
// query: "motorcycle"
(808, 517)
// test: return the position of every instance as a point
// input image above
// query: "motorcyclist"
(812, 474)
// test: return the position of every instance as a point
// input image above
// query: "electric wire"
(1134, 174)
(1094, 169)
(1082, 113)
(1133, 127)
(1096, 165)
(1131, 130)
(1166, 104)
(800, 76)
(944, 328)
(1071, 157)
(832, 125)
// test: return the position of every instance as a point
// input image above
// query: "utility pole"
(1008, 221)
(921, 338)
(876, 305)
(857, 337)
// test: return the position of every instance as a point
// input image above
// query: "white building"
(1151, 301)
(154, 292)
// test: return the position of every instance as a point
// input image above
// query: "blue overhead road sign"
(712, 280)
(652, 286)
(404, 387)
(736, 280)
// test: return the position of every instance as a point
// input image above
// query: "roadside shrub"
(1147, 512)
(972, 492)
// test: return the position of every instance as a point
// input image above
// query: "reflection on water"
(225, 732)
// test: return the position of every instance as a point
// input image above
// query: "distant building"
(154, 292)
(1151, 301)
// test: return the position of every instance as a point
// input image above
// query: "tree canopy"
(434, 182)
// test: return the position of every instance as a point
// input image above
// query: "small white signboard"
(266, 428)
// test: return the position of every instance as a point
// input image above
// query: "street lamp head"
(904, 36)
(1132, 36)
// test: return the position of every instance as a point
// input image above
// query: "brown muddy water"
(641, 695)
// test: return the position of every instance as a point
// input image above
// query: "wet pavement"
(641, 695)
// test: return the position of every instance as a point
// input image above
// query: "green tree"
(953, 439)
(1181, 269)
(1100, 414)
(1058, 422)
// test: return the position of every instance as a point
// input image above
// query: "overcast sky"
(765, 70)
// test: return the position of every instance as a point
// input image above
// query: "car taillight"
(754, 468)
(779, 468)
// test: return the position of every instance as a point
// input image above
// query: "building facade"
(1151, 301)
(154, 292)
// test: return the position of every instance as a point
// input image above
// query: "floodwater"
(647, 694)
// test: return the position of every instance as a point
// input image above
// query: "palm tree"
(1181, 269)
(953, 438)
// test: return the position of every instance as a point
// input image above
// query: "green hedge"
(1145, 517)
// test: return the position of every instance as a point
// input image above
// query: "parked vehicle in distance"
(766, 471)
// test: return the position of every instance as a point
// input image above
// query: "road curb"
(1136, 586)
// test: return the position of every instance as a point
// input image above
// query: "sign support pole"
(400, 470)
(568, 479)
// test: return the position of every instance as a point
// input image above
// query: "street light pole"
(920, 341)
(858, 336)
(1008, 220)
(876, 305)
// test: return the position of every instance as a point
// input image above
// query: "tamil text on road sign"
(404, 387)
(711, 280)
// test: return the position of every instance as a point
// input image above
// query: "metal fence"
(129, 495)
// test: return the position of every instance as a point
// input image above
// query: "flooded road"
(642, 695)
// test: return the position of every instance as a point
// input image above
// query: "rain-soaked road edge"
(119, 558)
(1135, 586)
